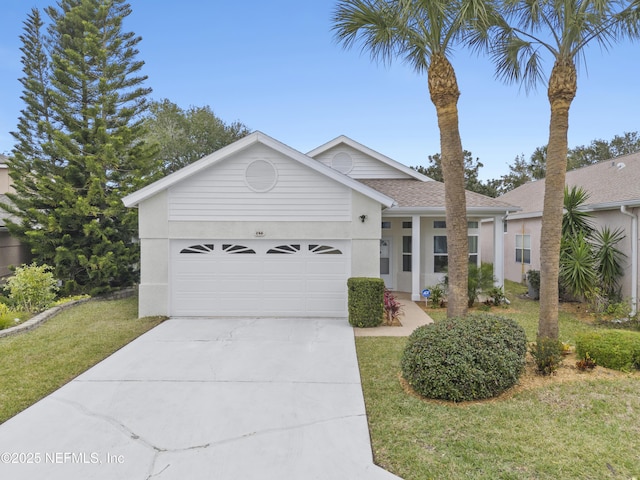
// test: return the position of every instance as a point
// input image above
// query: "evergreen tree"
(89, 151)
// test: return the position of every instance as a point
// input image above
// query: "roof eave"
(440, 211)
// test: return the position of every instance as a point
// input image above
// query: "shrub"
(496, 296)
(587, 363)
(437, 295)
(533, 282)
(616, 349)
(32, 288)
(547, 353)
(366, 301)
(392, 307)
(465, 358)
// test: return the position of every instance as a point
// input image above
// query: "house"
(12, 251)
(260, 229)
(614, 200)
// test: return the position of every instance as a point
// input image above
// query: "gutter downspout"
(634, 257)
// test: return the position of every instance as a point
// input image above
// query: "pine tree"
(90, 153)
(29, 160)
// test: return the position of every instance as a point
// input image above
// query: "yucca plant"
(608, 258)
(578, 273)
(575, 220)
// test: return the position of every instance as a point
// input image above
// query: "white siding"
(364, 166)
(221, 193)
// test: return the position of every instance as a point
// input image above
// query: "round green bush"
(465, 358)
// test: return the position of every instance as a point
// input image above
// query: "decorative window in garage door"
(285, 249)
(203, 248)
(324, 250)
(235, 248)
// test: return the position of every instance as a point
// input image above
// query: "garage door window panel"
(285, 249)
(324, 250)
(233, 248)
(207, 248)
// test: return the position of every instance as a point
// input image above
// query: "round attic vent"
(261, 176)
(342, 162)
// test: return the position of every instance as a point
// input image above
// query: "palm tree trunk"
(561, 92)
(443, 88)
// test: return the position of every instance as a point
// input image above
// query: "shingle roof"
(615, 181)
(4, 215)
(411, 193)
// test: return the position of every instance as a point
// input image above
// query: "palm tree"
(562, 29)
(423, 33)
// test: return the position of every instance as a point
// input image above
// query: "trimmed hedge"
(465, 358)
(616, 349)
(366, 301)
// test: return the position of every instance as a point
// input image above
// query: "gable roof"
(610, 184)
(245, 142)
(415, 196)
(344, 140)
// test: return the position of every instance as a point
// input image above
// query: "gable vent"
(342, 162)
(261, 176)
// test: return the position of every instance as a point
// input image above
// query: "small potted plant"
(533, 282)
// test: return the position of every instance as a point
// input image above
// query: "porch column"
(498, 251)
(416, 288)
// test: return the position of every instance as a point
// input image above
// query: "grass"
(526, 312)
(34, 364)
(585, 429)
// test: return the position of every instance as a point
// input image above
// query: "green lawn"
(36, 363)
(587, 429)
(525, 312)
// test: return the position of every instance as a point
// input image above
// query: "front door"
(385, 262)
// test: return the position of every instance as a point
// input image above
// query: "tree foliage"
(471, 170)
(184, 136)
(79, 145)
(523, 170)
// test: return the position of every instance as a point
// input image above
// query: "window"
(523, 249)
(206, 248)
(440, 255)
(285, 249)
(407, 224)
(324, 250)
(234, 249)
(473, 249)
(443, 224)
(406, 253)
(386, 224)
(440, 259)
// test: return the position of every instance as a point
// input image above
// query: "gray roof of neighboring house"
(411, 193)
(3, 213)
(610, 184)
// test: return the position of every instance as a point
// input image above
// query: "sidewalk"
(413, 317)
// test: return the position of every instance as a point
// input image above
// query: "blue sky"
(275, 66)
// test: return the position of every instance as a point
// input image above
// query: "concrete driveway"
(205, 399)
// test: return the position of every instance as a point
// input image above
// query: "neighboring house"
(260, 229)
(12, 252)
(614, 200)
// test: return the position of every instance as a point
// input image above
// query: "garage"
(260, 277)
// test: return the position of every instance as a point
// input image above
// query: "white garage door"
(263, 278)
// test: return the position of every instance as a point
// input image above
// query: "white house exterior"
(260, 229)
(614, 201)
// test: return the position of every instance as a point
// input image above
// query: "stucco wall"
(156, 232)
